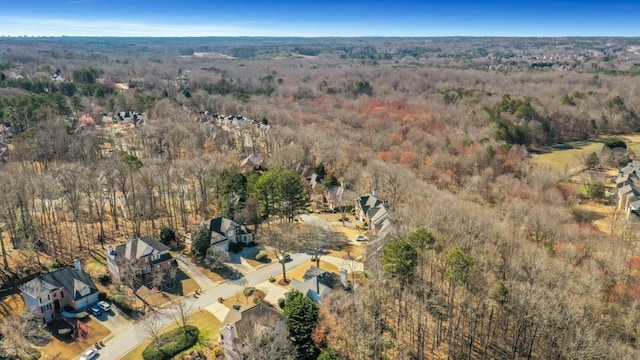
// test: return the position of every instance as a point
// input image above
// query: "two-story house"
(374, 213)
(147, 253)
(48, 294)
(224, 231)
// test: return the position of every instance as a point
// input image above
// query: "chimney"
(343, 278)
(77, 264)
(375, 192)
(228, 334)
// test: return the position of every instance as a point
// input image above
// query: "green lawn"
(568, 159)
(208, 325)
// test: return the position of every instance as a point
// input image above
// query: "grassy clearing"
(208, 325)
(568, 159)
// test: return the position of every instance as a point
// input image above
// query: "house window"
(55, 295)
(46, 308)
(62, 295)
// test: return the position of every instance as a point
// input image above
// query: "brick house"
(147, 253)
(48, 294)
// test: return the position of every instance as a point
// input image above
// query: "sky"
(315, 18)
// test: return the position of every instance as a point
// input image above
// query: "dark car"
(95, 310)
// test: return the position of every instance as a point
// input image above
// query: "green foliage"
(167, 235)
(131, 162)
(301, 314)
(240, 91)
(360, 87)
(501, 295)
(328, 354)
(200, 241)
(281, 301)
(458, 266)
(172, 343)
(399, 260)
(104, 278)
(421, 239)
(262, 257)
(615, 143)
(85, 76)
(231, 191)
(281, 192)
(27, 109)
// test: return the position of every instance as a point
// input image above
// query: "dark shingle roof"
(77, 283)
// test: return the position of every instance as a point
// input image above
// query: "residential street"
(192, 270)
(126, 340)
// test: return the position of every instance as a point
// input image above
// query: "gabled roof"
(253, 160)
(260, 316)
(137, 248)
(317, 279)
(368, 201)
(222, 225)
(77, 283)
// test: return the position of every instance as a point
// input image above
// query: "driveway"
(194, 272)
(125, 341)
(114, 321)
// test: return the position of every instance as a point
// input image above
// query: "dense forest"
(105, 138)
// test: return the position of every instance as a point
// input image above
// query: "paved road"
(124, 341)
(192, 270)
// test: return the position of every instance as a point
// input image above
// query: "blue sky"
(319, 18)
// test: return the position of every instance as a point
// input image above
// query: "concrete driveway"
(124, 341)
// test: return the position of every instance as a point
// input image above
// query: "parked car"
(95, 310)
(89, 355)
(286, 258)
(105, 306)
(361, 238)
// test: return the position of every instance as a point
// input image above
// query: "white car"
(105, 306)
(89, 355)
(361, 238)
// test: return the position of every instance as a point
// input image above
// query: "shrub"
(615, 143)
(172, 343)
(313, 259)
(249, 291)
(272, 279)
(104, 279)
(262, 257)
(281, 303)
(102, 296)
(235, 247)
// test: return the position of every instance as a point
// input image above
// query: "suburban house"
(628, 188)
(224, 231)
(147, 253)
(241, 327)
(254, 161)
(336, 195)
(317, 283)
(50, 293)
(374, 212)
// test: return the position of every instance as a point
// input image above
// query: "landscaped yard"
(298, 273)
(57, 349)
(208, 325)
(240, 299)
